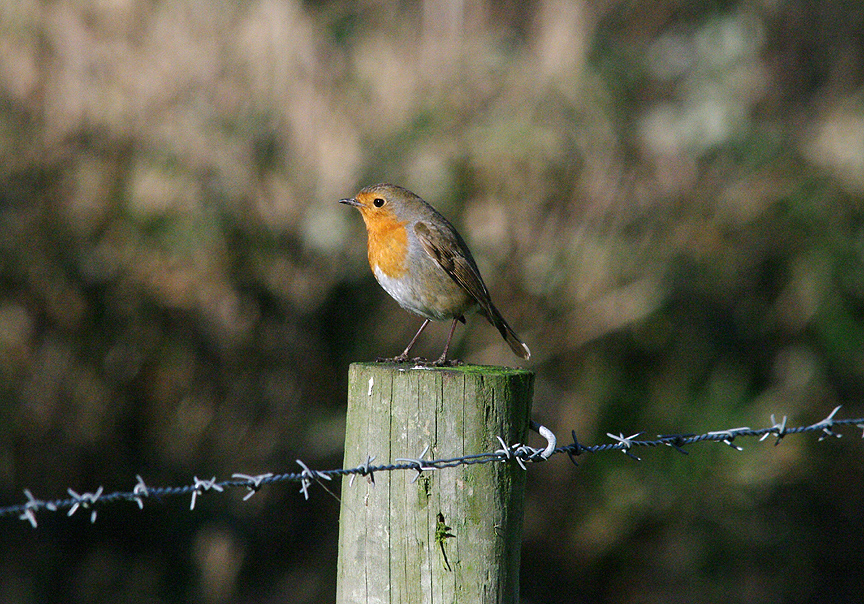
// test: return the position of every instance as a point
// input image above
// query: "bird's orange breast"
(388, 245)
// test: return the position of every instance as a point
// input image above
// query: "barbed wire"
(517, 453)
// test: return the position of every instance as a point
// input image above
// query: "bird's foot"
(402, 358)
(420, 361)
(447, 363)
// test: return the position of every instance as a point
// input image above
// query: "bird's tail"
(516, 344)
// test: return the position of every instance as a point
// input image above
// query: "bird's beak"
(350, 202)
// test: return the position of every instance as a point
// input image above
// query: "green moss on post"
(452, 535)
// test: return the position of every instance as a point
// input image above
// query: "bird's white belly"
(438, 307)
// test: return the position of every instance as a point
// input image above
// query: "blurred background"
(666, 200)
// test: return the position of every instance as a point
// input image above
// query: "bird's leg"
(442, 360)
(404, 356)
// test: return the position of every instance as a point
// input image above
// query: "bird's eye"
(377, 202)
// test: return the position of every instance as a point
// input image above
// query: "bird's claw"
(420, 361)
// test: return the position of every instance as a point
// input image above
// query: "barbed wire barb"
(201, 486)
(139, 492)
(419, 464)
(519, 453)
(676, 441)
(307, 476)
(727, 436)
(85, 500)
(253, 483)
(780, 430)
(826, 424)
(29, 513)
(574, 450)
(626, 442)
(364, 471)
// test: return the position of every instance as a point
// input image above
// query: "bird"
(420, 259)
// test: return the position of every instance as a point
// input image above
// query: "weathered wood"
(451, 535)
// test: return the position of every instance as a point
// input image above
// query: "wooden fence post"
(450, 535)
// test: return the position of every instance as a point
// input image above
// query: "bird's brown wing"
(442, 246)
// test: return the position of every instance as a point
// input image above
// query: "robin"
(423, 263)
